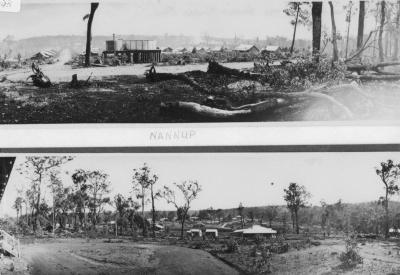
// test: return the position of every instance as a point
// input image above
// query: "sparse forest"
(47, 207)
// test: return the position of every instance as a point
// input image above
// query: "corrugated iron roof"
(256, 229)
(245, 47)
(271, 48)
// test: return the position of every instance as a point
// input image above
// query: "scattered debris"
(39, 78)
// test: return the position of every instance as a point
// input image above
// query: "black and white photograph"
(188, 61)
(200, 213)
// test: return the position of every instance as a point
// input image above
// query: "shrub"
(261, 264)
(350, 258)
(301, 74)
(232, 246)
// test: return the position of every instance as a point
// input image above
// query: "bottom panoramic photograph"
(200, 213)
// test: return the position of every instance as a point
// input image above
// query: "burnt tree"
(316, 12)
(361, 17)
(334, 36)
(382, 22)
(396, 39)
(93, 8)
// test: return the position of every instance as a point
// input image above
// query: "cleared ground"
(79, 256)
(123, 95)
(378, 258)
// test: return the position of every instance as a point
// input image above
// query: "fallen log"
(375, 77)
(215, 113)
(216, 68)
(312, 93)
(370, 67)
(39, 79)
(153, 76)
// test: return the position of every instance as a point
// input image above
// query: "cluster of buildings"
(253, 231)
(242, 48)
(146, 51)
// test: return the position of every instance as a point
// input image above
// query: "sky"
(230, 178)
(222, 18)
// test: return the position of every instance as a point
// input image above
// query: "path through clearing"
(78, 256)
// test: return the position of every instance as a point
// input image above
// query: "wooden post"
(93, 7)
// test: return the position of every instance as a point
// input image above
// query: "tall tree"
(98, 189)
(296, 197)
(37, 170)
(349, 9)
(80, 178)
(361, 17)
(241, 214)
(388, 173)
(18, 206)
(334, 33)
(300, 16)
(93, 8)
(189, 191)
(316, 12)
(55, 187)
(122, 206)
(380, 33)
(397, 36)
(143, 181)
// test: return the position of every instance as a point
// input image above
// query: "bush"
(262, 264)
(301, 74)
(350, 258)
(232, 246)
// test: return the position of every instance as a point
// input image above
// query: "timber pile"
(272, 101)
(39, 79)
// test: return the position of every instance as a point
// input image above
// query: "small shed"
(271, 49)
(211, 233)
(201, 50)
(217, 49)
(180, 50)
(167, 50)
(256, 230)
(195, 233)
(44, 54)
(247, 48)
(394, 232)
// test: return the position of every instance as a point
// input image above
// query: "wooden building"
(133, 51)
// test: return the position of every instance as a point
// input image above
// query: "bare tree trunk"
(295, 27)
(144, 229)
(153, 212)
(348, 32)
(396, 37)
(183, 224)
(297, 221)
(37, 204)
(386, 43)
(93, 7)
(361, 16)
(381, 54)
(386, 213)
(316, 11)
(334, 41)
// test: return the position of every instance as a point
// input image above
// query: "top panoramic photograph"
(189, 61)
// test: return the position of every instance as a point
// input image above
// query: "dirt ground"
(79, 256)
(123, 95)
(378, 258)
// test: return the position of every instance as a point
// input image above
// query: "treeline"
(82, 207)
(47, 203)
(10, 47)
(381, 43)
